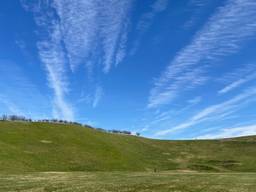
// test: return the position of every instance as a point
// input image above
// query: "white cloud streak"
(163, 95)
(97, 97)
(78, 28)
(238, 77)
(113, 13)
(222, 35)
(146, 19)
(215, 112)
(52, 55)
(19, 91)
(198, 3)
(70, 32)
(231, 132)
(12, 107)
(87, 25)
(237, 83)
(195, 100)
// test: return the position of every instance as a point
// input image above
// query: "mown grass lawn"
(129, 182)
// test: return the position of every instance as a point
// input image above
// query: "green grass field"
(56, 157)
(42, 147)
(129, 182)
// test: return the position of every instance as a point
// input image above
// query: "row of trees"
(22, 118)
(117, 131)
(14, 118)
(60, 121)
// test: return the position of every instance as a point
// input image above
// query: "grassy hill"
(26, 147)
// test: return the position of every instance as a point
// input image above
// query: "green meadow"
(129, 182)
(57, 157)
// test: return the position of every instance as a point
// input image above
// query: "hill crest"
(47, 147)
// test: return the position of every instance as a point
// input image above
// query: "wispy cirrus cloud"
(87, 25)
(113, 30)
(222, 35)
(195, 100)
(166, 117)
(231, 132)
(198, 3)
(12, 107)
(77, 22)
(146, 20)
(52, 55)
(196, 7)
(237, 83)
(97, 96)
(162, 94)
(70, 32)
(215, 112)
(19, 92)
(238, 78)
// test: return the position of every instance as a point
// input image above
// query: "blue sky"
(167, 69)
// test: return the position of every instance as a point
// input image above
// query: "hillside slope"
(54, 147)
